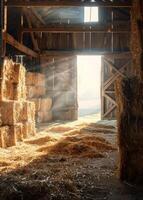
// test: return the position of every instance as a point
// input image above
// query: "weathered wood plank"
(38, 3)
(10, 40)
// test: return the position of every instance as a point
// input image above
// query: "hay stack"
(36, 92)
(129, 94)
(17, 116)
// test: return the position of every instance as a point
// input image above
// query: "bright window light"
(90, 14)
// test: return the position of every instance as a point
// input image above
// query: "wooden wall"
(61, 86)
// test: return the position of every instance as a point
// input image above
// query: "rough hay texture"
(16, 130)
(35, 79)
(136, 45)
(44, 116)
(129, 93)
(4, 132)
(12, 81)
(11, 112)
(29, 111)
(36, 92)
(28, 129)
(17, 116)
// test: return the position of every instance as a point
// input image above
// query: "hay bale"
(31, 92)
(28, 129)
(6, 90)
(4, 131)
(44, 116)
(9, 137)
(37, 104)
(40, 91)
(19, 73)
(19, 92)
(11, 112)
(28, 111)
(12, 81)
(40, 79)
(31, 79)
(17, 131)
(35, 91)
(37, 79)
(129, 95)
(46, 104)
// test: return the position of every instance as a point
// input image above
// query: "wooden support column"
(20, 39)
(137, 39)
(3, 24)
(1, 31)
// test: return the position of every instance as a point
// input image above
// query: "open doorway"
(89, 84)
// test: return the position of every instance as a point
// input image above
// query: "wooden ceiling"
(39, 3)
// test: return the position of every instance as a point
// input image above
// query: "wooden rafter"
(74, 52)
(40, 3)
(10, 40)
(79, 28)
(38, 16)
(28, 18)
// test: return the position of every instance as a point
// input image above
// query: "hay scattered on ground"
(75, 142)
(79, 143)
(60, 129)
(54, 165)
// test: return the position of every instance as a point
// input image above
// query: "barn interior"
(71, 90)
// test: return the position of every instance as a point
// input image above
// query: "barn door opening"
(89, 85)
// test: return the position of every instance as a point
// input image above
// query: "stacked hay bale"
(36, 92)
(129, 93)
(17, 115)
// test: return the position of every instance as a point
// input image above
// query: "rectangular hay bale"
(40, 79)
(16, 130)
(8, 137)
(46, 104)
(43, 117)
(4, 131)
(29, 129)
(129, 95)
(11, 112)
(31, 79)
(29, 111)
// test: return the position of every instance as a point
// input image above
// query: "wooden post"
(136, 38)
(2, 32)
(4, 28)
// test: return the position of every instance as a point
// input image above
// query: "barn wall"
(103, 42)
(61, 86)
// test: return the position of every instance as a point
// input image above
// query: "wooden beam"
(3, 27)
(34, 41)
(10, 40)
(40, 3)
(38, 16)
(1, 30)
(76, 52)
(79, 28)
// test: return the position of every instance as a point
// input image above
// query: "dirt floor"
(71, 161)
